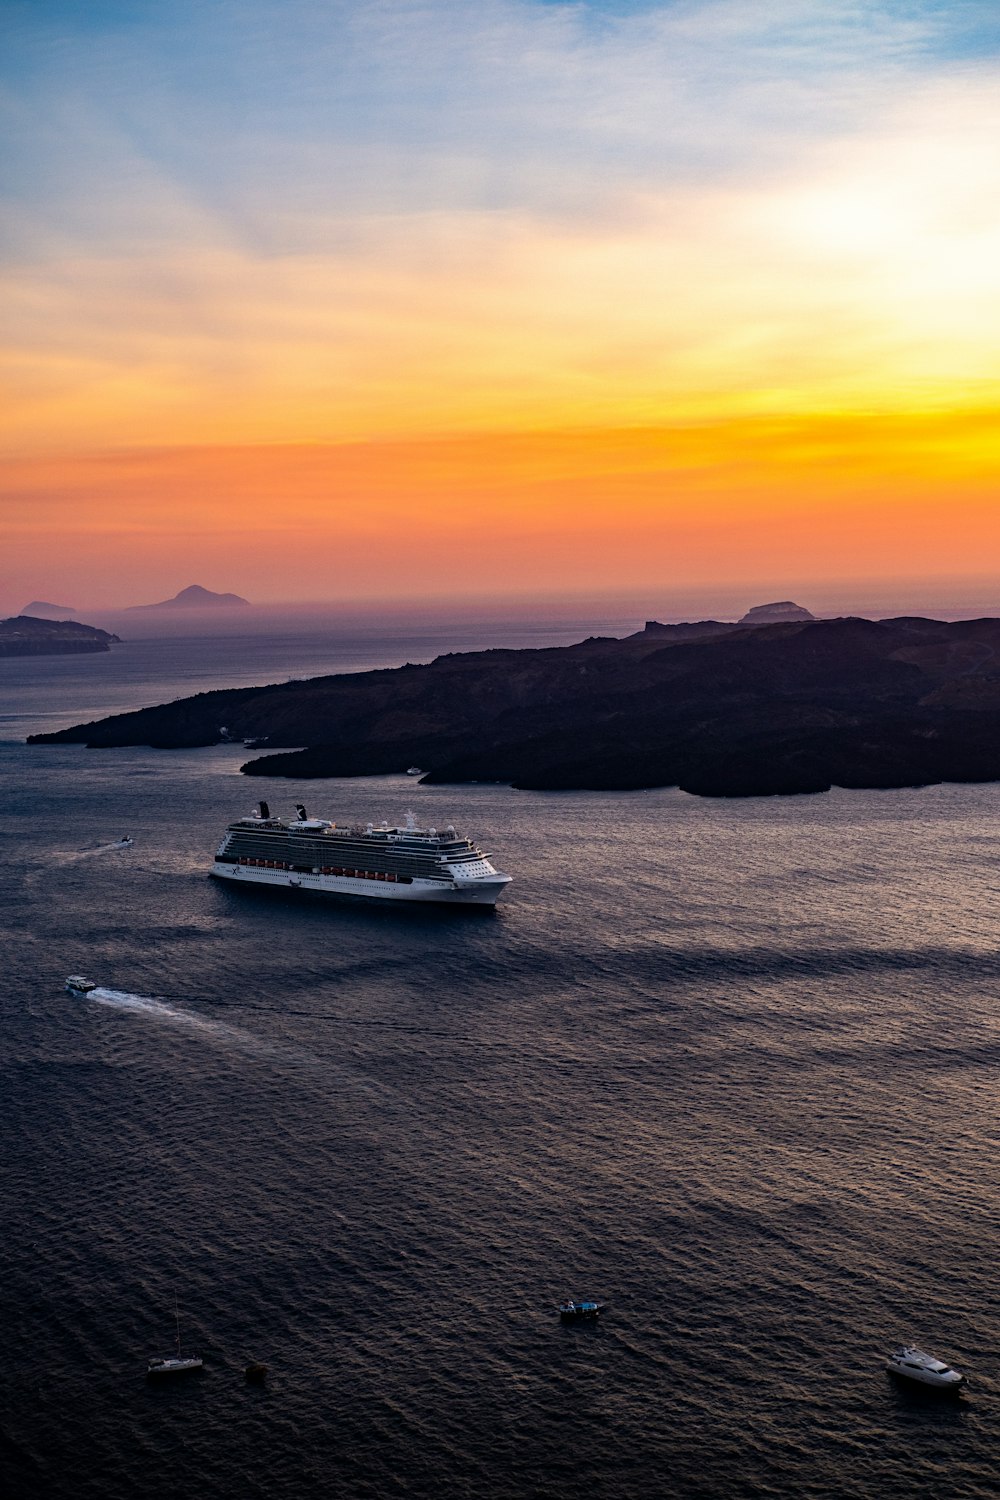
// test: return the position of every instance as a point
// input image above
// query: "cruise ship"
(387, 864)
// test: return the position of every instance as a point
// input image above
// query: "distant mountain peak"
(195, 597)
(775, 614)
(40, 609)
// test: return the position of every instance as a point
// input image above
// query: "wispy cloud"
(232, 222)
(283, 118)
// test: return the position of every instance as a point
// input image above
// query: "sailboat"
(176, 1364)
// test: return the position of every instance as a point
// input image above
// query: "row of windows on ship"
(299, 858)
(298, 851)
(281, 864)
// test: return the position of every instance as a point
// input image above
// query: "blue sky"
(276, 118)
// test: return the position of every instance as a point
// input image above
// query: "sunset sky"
(330, 299)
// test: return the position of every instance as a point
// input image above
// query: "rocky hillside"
(715, 709)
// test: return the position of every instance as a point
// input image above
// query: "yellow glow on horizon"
(813, 497)
(832, 296)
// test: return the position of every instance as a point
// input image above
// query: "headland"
(26, 635)
(713, 708)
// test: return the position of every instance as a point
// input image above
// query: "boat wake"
(116, 846)
(236, 1038)
(220, 1031)
(73, 857)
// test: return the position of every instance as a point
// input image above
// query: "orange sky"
(550, 512)
(540, 298)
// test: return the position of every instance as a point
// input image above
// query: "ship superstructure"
(387, 864)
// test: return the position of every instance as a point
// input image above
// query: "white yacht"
(77, 985)
(175, 1364)
(913, 1364)
(381, 863)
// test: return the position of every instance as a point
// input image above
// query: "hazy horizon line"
(956, 596)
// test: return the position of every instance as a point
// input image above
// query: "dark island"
(24, 635)
(714, 708)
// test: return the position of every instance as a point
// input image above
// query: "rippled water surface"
(732, 1066)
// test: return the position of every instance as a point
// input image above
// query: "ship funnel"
(265, 811)
(301, 812)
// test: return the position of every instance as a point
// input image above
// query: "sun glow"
(379, 329)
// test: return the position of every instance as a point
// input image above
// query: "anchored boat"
(572, 1312)
(175, 1364)
(923, 1369)
(380, 863)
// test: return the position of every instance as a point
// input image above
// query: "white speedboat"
(923, 1369)
(77, 985)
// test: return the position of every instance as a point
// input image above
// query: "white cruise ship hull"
(473, 891)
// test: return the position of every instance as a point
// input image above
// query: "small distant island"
(24, 635)
(716, 709)
(44, 611)
(195, 597)
(775, 614)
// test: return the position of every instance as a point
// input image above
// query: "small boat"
(77, 985)
(125, 842)
(175, 1364)
(414, 771)
(571, 1311)
(923, 1369)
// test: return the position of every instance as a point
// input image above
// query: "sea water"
(731, 1066)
